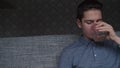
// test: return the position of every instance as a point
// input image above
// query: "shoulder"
(111, 43)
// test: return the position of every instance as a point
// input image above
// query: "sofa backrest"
(33, 52)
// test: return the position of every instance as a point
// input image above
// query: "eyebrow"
(93, 20)
(89, 20)
(99, 20)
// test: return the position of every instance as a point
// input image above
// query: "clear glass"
(99, 36)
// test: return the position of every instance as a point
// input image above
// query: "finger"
(103, 28)
(99, 24)
(106, 24)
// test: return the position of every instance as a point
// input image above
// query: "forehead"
(92, 14)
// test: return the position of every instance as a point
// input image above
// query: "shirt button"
(95, 55)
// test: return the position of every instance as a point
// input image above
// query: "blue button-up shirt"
(85, 53)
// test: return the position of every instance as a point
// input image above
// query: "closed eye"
(89, 21)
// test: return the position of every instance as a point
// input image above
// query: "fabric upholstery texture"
(33, 52)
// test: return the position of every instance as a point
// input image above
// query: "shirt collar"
(86, 41)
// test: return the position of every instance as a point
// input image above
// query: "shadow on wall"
(6, 5)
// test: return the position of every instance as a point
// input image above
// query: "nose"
(94, 25)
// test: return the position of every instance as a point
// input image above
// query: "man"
(86, 52)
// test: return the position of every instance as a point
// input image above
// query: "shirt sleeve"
(65, 59)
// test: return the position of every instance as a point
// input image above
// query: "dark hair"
(87, 5)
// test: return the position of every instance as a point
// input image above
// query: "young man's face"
(90, 18)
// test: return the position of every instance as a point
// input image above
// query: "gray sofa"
(33, 52)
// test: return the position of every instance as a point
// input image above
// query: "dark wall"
(44, 17)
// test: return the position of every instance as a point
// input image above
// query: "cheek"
(88, 29)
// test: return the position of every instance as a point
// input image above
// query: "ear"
(79, 23)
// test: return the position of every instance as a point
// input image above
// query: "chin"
(89, 37)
